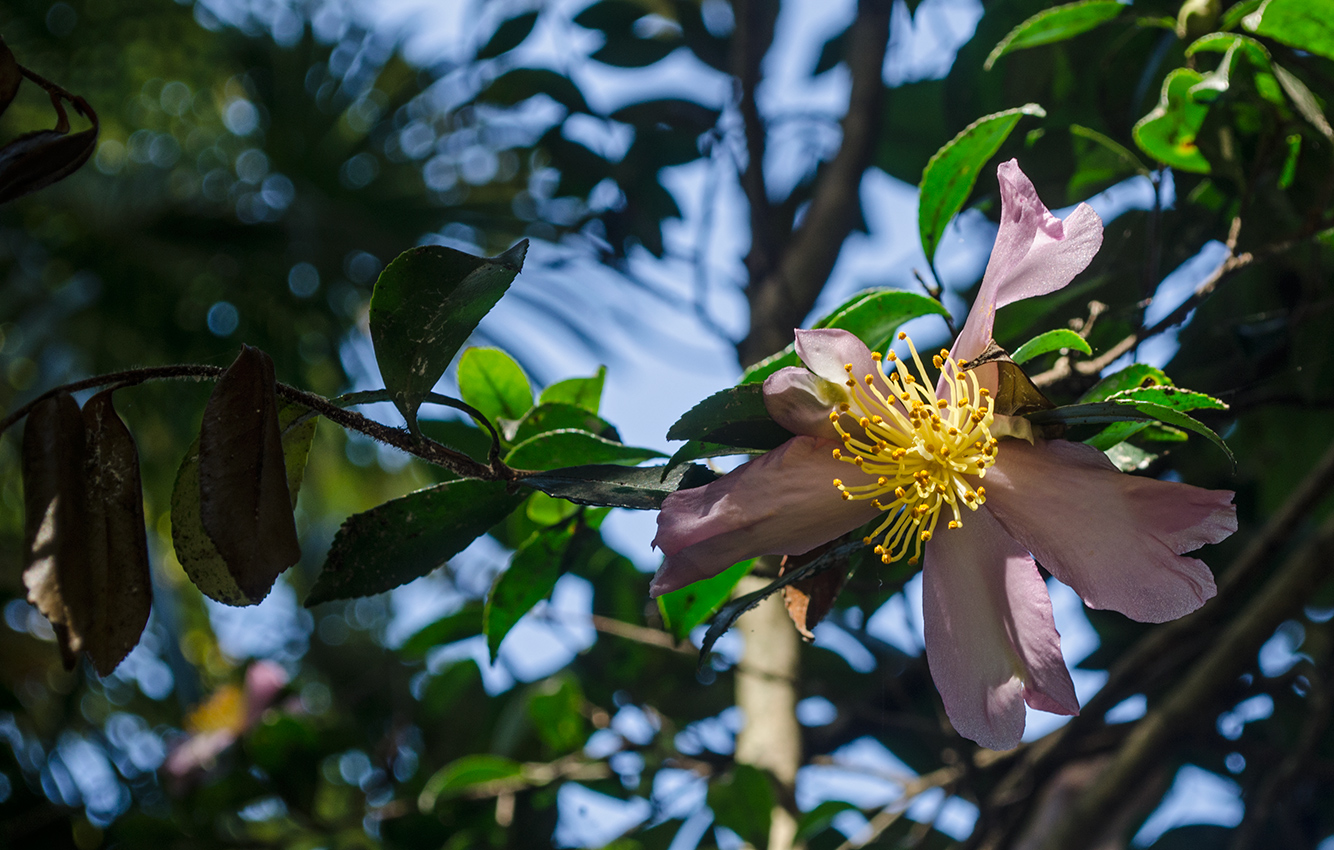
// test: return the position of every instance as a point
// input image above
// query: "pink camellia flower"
(879, 442)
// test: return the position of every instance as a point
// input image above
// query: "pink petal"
(1116, 539)
(991, 642)
(782, 503)
(800, 401)
(825, 352)
(1035, 253)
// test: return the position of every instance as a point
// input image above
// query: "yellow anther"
(865, 422)
(850, 382)
(838, 455)
(884, 559)
(859, 460)
(954, 523)
(847, 438)
(983, 391)
(942, 403)
(925, 536)
(838, 482)
(881, 481)
(982, 492)
(900, 493)
(869, 380)
(902, 335)
(892, 356)
(879, 550)
(876, 504)
(937, 362)
(847, 367)
(912, 562)
(847, 497)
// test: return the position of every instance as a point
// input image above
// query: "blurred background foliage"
(259, 163)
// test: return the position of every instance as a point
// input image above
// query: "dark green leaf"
(610, 15)
(1302, 24)
(687, 115)
(509, 35)
(1126, 411)
(735, 416)
(626, 51)
(1134, 375)
(531, 575)
(580, 392)
(408, 537)
(425, 304)
(245, 502)
(572, 447)
(460, 625)
(873, 317)
(640, 489)
(696, 450)
(553, 416)
(465, 774)
(1055, 24)
(518, 85)
(458, 434)
(743, 802)
(950, 175)
(690, 606)
(820, 818)
(118, 582)
(1168, 133)
(1048, 342)
(492, 382)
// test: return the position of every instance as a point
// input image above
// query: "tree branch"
(782, 296)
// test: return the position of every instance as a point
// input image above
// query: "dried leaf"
(809, 600)
(55, 520)
(36, 160)
(118, 576)
(1016, 395)
(244, 502)
(10, 77)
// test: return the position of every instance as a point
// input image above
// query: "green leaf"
(1101, 412)
(531, 575)
(690, 606)
(820, 818)
(1305, 101)
(627, 51)
(1169, 132)
(464, 774)
(509, 35)
(1302, 24)
(492, 382)
(580, 392)
(408, 537)
(950, 175)
(1134, 375)
(1048, 342)
(1170, 396)
(426, 303)
(553, 416)
(1055, 24)
(641, 489)
(696, 450)
(460, 625)
(744, 802)
(1115, 434)
(572, 447)
(610, 15)
(516, 86)
(458, 434)
(1128, 458)
(735, 416)
(548, 510)
(873, 317)
(556, 710)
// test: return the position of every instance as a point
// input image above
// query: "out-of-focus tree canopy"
(260, 165)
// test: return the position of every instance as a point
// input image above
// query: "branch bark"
(782, 296)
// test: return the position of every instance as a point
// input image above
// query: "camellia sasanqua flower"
(878, 440)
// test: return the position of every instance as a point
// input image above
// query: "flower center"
(917, 448)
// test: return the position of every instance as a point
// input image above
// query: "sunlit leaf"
(950, 175)
(1048, 342)
(492, 382)
(552, 416)
(580, 392)
(691, 605)
(1056, 24)
(1097, 413)
(1168, 133)
(1301, 24)
(572, 447)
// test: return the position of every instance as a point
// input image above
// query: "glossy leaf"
(552, 416)
(1055, 24)
(1169, 396)
(529, 579)
(873, 317)
(1048, 342)
(509, 35)
(1128, 458)
(950, 175)
(1168, 133)
(245, 502)
(119, 582)
(697, 450)
(408, 537)
(580, 392)
(572, 447)
(688, 607)
(1101, 412)
(1302, 24)
(55, 545)
(641, 488)
(735, 416)
(426, 303)
(465, 774)
(492, 382)
(194, 549)
(1134, 375)
(460, 625)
